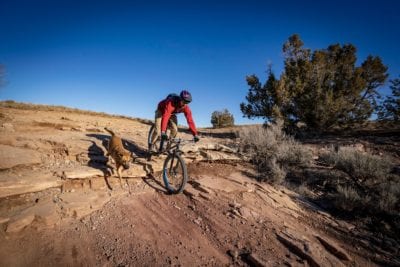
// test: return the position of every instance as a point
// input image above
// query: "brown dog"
(121, 156)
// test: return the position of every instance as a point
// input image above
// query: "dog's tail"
(110, 131)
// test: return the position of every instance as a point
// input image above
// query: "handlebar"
(176, 141)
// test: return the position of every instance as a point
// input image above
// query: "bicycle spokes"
(175, 174)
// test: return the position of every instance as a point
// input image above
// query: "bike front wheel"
(174, 173)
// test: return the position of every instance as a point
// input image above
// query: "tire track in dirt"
(158, 231)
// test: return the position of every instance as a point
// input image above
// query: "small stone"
(233, 253)
(198, 221)
(235, 205)
(346, 225)
(206, 197)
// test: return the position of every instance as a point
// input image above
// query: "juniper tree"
(390, 108)
(322, 88)
(222, 118)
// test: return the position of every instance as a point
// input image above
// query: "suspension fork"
(171, 168)
(161, 146)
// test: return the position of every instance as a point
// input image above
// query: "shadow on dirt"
(210, 133)
(99, 161)
(129, 145)
(251, 175)
(102, 137)
(152, 182)
(133, 147)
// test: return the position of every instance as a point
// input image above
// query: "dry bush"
(347, 198)
(272, 151)
(359, 165)
(302, 189)
(384, 199)
(324, 179)
(275, 173)
(372, 188)
(292, 152)
(389, 197)
(363, 166)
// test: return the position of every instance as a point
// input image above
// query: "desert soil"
(58, 207)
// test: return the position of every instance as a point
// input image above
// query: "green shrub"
(220, 119)
(347, 198)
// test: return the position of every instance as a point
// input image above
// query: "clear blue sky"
(122, 57)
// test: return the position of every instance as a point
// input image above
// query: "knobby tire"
(174, 173)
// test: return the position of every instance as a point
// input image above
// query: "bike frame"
(174, 149)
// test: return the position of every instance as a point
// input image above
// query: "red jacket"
(168, 107)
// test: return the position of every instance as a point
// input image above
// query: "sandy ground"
(236, 225)
(225, 217)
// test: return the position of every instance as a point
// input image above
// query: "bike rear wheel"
(157, 143)
(174, 173)
(158, 140)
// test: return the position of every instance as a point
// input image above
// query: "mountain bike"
(174, 171)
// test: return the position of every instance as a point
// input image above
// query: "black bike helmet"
(186, 96)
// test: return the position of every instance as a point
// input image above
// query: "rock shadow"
(129, 145)
(251, 175)
(102, 137)
(99, 161)
(135, 148)
(209, 133)
(152, 182)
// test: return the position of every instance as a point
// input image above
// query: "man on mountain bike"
(166, 116)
